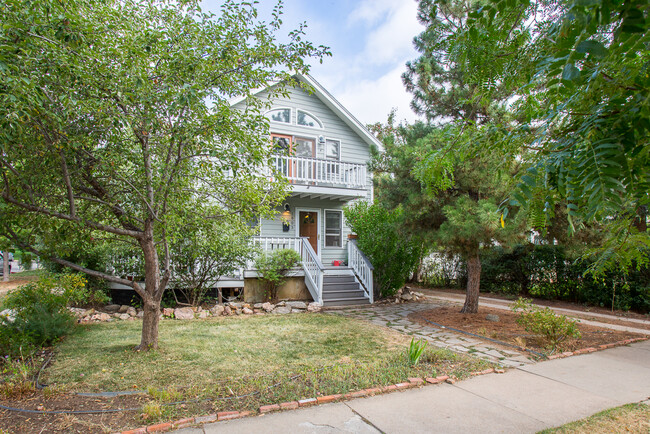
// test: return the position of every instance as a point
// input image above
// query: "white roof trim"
(331, 102)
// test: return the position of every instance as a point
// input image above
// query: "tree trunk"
(153, 292)
(473, 284)
(5, 267)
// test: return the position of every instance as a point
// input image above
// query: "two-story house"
(323, 152)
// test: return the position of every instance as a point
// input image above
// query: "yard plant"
(544, 322)
(273, 269)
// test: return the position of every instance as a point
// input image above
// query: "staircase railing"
(314, 270)
(362, 268)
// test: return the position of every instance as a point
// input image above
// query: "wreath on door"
(308, 218)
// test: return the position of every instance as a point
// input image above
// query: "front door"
(309, 227)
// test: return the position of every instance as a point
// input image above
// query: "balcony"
(314, 177)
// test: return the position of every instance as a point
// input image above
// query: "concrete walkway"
(523, 400)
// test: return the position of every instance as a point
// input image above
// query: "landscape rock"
(235, 305)
(204, 314)
(268, 306)
(112, 308)
(168, 311)
(258, 305)
(116, 315)
(282, 309)
(314, 307)
(406, 296)
(297, 304)
(124, 316)
(131, 311)
(227, 310)
(184, 313)
(89, 312)
(282, 303)
(238, 311)
(492, 317)
(103, 317)
(247, 311)
(294, 310)
(123, 308)
(217, 310)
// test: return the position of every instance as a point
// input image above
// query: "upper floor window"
(280, 115)
(307, 120)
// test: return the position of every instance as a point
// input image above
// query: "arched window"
(280, 115)
(307, 120)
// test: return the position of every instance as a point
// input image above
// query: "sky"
(370, 41)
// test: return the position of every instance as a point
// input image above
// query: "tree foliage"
(116, 125)
(580, 117)
(393, 252)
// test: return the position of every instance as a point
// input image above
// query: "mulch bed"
(508, 330)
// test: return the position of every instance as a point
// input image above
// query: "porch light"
(286, 218)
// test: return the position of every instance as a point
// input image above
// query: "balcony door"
(308, 227)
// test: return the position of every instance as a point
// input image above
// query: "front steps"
(342, 289)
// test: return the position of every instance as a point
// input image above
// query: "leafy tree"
(116, 125)
(443, 88)
(393, 252)
(581, 117)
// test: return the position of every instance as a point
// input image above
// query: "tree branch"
(89, 223)
(68, 184)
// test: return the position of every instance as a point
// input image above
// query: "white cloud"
(372, 100)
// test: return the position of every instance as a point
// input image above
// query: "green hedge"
(549, 272)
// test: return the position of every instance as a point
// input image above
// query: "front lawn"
(221, 364)
(206, 352)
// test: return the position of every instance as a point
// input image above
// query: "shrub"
(272, 269)
(393, 253)
(544, 322)
(39, 314)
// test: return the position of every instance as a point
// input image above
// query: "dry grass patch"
(631, 418)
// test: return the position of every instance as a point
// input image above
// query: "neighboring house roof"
(328, 99)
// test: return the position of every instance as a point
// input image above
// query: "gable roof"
(328, 99)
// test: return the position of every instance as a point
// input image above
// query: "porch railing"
(309, 261)
(361, 267)
(302, 170)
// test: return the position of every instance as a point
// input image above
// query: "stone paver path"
(395, 316)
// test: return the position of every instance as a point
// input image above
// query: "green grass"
(275, 358)
(630, 418)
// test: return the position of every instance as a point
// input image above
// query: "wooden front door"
(309, 227)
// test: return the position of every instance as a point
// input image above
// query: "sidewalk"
(523, 400)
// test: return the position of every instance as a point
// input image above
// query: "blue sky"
(370, 40)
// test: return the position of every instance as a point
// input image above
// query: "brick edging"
(307, 402)
(594, 349)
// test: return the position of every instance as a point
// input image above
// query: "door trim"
(318, 225)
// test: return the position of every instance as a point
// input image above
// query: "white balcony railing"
(315, 171)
